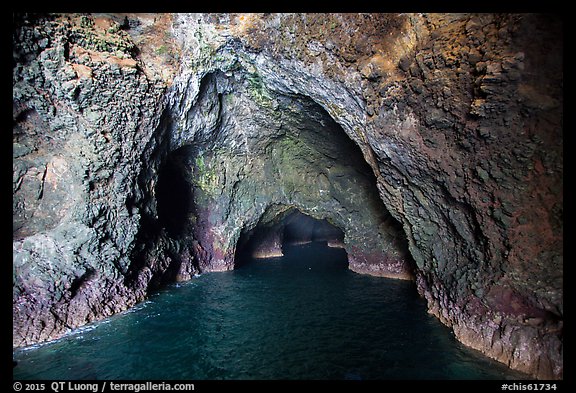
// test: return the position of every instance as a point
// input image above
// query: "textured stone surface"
(83, 110)
(142, 155)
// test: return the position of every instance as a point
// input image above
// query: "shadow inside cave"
(287, 233)
(174, 192)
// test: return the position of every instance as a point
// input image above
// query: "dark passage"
(290, 228)
(302, 229)
(174, 193)
(301, 316)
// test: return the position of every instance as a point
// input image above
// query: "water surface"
(302, 316)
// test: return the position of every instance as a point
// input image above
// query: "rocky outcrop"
(129, 173)
(84, 108)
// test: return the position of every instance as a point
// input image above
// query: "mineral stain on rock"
(148, 148)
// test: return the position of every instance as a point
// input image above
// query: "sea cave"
(149, 149)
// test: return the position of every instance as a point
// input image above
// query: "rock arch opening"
(289, 228)
(257, 163)
(303, 229)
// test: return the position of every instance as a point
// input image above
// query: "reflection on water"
(303, 316)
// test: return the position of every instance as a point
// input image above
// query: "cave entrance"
(251, 186)
(285, 234)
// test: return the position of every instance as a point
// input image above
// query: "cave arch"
(251, 150)
(301, 228)
(289, 227)
(471, 208)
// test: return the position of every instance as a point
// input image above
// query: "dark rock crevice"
(173, 195)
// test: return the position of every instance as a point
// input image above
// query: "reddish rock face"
(377, 264)
(458, 117)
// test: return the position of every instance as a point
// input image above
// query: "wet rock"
(59, 233)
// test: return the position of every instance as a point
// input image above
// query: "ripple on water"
(303, 316)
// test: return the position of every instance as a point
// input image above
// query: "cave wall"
(458, 116)
(83, 110)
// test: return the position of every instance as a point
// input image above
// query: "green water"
(303, 316)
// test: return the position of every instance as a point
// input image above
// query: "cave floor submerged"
(301, 316)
